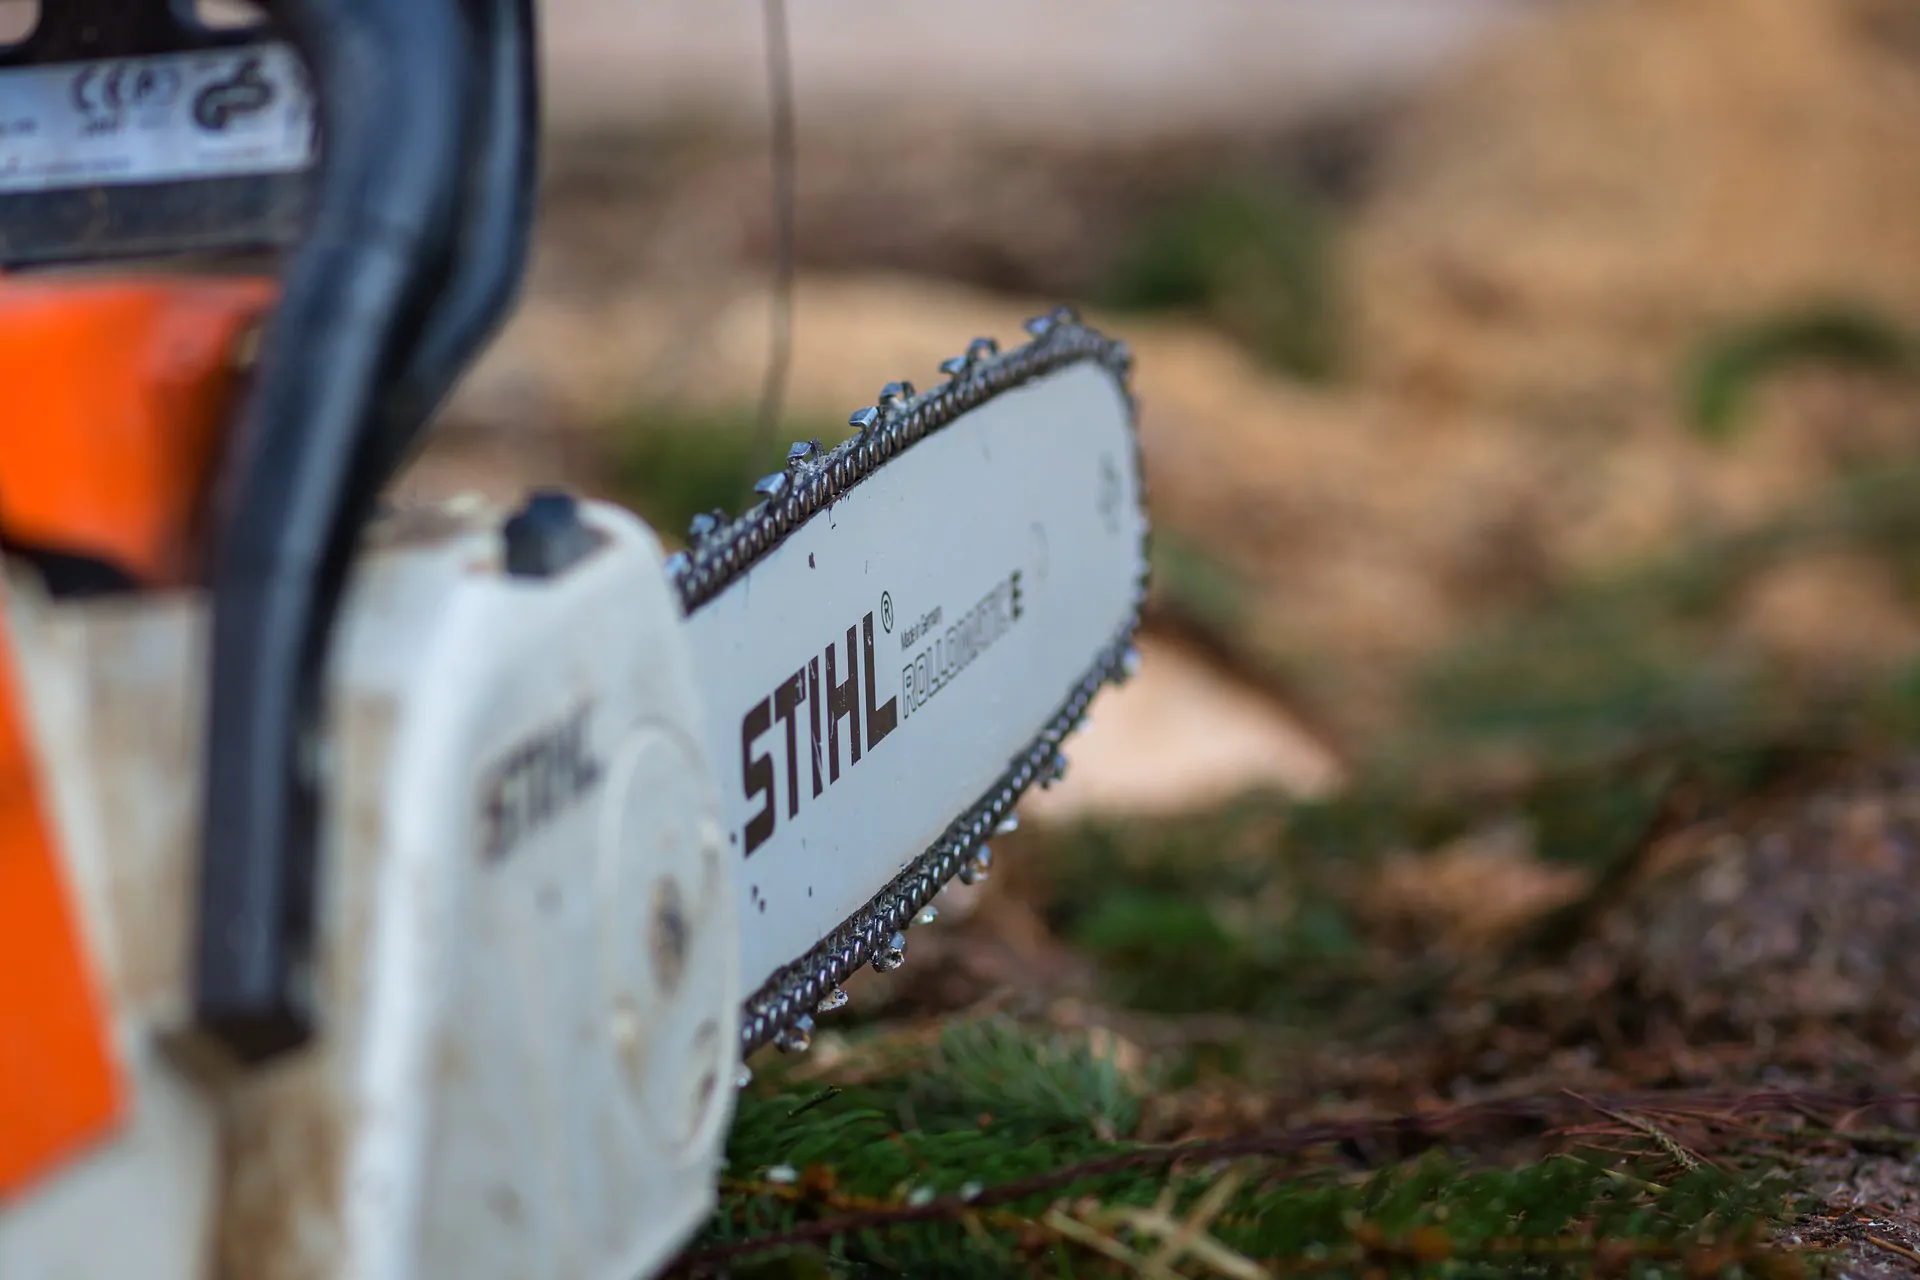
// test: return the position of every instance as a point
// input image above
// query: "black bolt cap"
(546, 536)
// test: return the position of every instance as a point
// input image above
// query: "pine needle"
(1893, 1248)
(1191, 1236)
(1082, 1234)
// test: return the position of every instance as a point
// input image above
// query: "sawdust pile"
(1627, 171)
(1552, 233)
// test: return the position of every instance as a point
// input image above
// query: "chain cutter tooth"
(796, 1036)
(893, 956)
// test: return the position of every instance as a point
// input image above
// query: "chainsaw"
(393, 890)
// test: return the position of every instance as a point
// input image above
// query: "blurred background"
(1532, 428)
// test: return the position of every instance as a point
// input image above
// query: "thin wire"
(780, 90)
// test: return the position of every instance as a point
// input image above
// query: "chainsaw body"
(396, 893)
(528, 952)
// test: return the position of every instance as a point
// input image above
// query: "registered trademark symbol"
(886, 610)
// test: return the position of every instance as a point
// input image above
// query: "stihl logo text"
(534, 783)
(833, 708)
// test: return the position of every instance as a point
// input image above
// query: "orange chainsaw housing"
(118, 397)
(117, 405)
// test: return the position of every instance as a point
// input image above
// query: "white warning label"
(175, 117)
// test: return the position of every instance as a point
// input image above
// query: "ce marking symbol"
(101, 91)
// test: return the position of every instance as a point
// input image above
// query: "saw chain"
(720, 551)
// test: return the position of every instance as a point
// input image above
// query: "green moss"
(1205, 913)
(1594, 820)
(1655, 657)
(1257, 259)
(1727, 368)
(670, 465)
(1195, 589)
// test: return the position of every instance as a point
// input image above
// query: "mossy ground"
(1291, 1076)
(1601, 966)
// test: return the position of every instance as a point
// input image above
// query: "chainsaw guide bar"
(821, 488)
